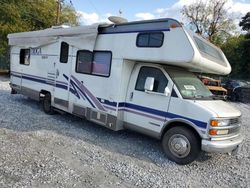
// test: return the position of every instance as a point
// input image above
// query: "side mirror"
(149, 84)
(167, 91)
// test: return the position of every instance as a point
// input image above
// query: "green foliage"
(237, 50)
(245, 22)
(30, 15)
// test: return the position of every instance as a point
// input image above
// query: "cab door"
(62, 73)
(146, 109)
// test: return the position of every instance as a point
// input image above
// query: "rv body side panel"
(38, 72)
(15, 79)
(96, 97)
(171, 52)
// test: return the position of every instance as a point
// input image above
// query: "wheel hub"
(179, 146)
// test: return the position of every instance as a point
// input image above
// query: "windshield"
(189, 85)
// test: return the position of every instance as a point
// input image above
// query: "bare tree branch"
(209, 18)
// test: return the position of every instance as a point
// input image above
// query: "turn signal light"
(214, 123)
(213, 132)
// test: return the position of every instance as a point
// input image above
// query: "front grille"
(234, 130)
(234, 121)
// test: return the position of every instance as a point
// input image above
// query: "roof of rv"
(56, 31)
(157, 24)
(72, 35)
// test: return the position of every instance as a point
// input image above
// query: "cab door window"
(160, 80)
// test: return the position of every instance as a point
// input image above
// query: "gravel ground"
(38, 150)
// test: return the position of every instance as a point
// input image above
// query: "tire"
(234, 97)
(47, 108)
(184, 140)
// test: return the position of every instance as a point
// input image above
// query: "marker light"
(174, 25)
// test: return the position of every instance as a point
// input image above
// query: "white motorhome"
(135, 75)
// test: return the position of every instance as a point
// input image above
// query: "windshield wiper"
(205, 97)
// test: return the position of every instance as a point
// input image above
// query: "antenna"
(118, 19)
(120, 12)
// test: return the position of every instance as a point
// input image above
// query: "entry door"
(62, 76)
(147, 110)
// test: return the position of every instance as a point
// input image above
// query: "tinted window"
(150, 39)
(142, 40)
(101, 63)
(160, 82)
(95, 63)
(84, 62)
(25, 56)
(208, 49)
(64, 52)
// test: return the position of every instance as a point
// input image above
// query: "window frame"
(24, 49)
(149, 33)
(92, 62)
(145, 80)
(61, 52)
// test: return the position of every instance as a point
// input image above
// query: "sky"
(93, 11)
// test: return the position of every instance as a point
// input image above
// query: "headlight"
(224, 127)
(219, 122)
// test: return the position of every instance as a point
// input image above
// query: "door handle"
(57, 73)
(131, 96)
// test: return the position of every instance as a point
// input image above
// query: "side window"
(150, 39)
(24, 56)
(95, 63)
(160, 82)
(64, 53)
(84, 62)
(101, 63)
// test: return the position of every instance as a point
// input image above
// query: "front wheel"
(47, 108)
(181, 145)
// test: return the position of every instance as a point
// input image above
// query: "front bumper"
(221, 146)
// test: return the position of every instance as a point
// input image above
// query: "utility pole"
(58, 11)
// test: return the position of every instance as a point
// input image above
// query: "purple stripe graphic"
(88, 93)
(142, 114)
(42, 78)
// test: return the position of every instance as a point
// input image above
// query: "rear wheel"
(47, 108)
(181, 145)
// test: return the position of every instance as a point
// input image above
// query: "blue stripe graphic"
(107, 102)
(133, 31)
(120, 105)
(161, 113)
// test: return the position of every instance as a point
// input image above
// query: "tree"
(245, 22)
(233, 50)
(210, 19)
(237, 50)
